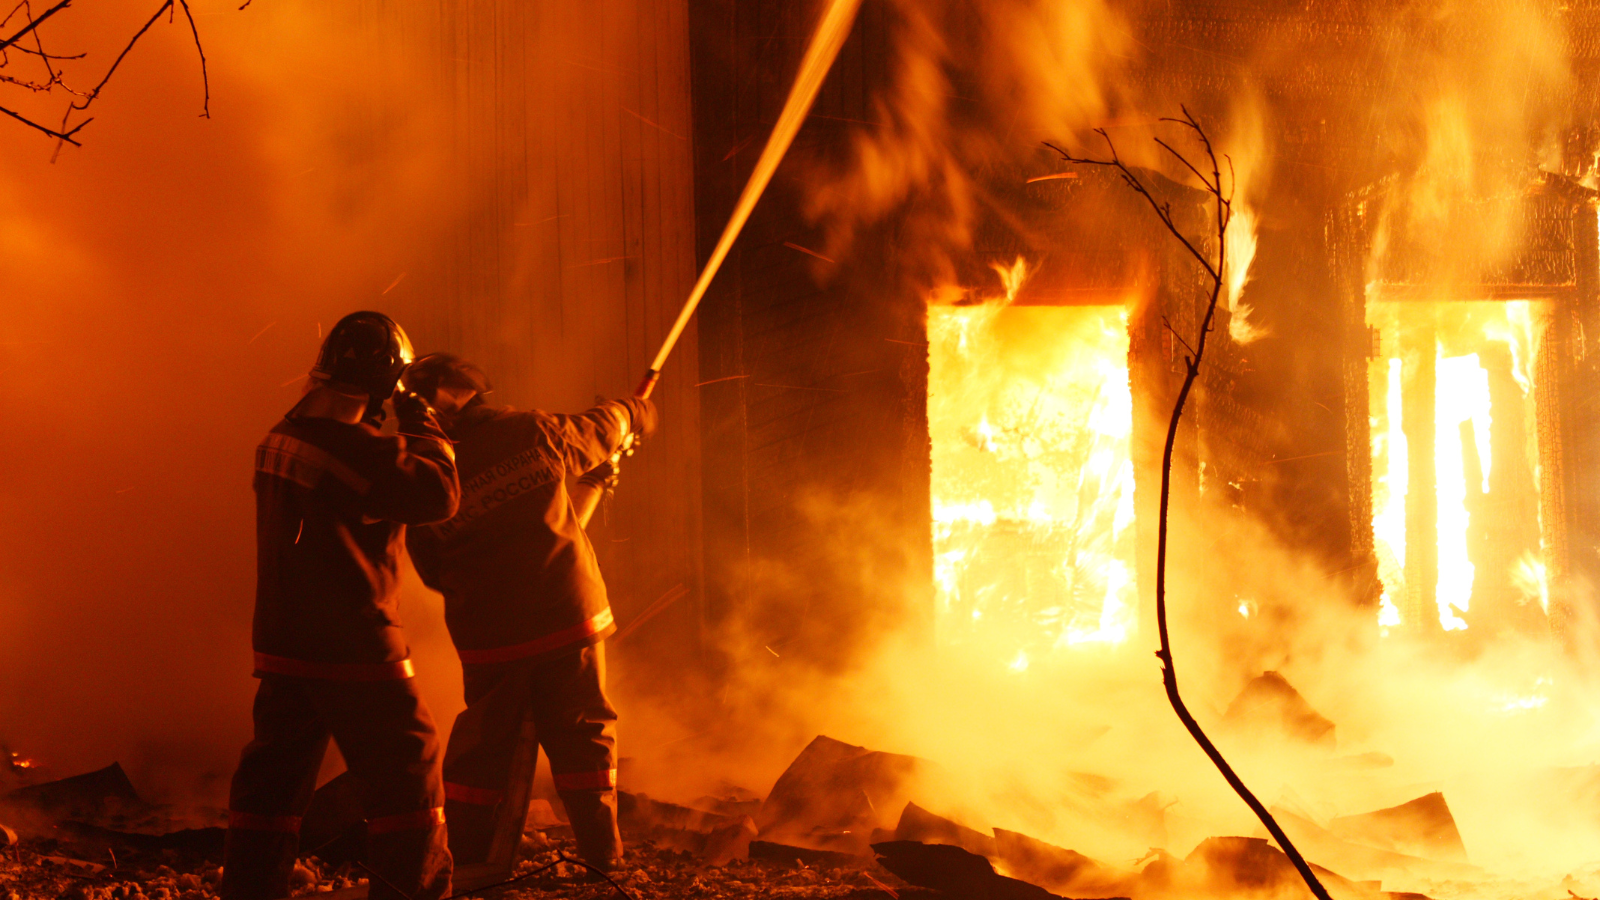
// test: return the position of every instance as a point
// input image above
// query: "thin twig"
(35, 23)
(1179, 157)
(205, 78)
(46, 56)
(1167, 323)
(34, 86)
(38, 43)
(1163, 211)
(1169, 677)
(63, 135)
(95, 93)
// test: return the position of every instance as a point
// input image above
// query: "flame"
(1533, 580)
(1030, 414)
(1537, 698)
(1241, 254)
(1464, 437)
(1388, 613)
(1462, 396)
(1390, 483)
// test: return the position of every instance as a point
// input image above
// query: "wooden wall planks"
(564, 247)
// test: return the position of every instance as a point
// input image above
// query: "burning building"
(928, 392)
(957, 422)
(1304, 429)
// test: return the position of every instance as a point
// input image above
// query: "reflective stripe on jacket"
(332, 503)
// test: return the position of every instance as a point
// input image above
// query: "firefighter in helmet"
(333, 498)
(525, 603)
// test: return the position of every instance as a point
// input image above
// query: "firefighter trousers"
(387, 737)
(565, 699)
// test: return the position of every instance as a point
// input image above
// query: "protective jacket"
(332, 503)
(517, 572)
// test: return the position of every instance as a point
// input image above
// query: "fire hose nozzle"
(648, 384)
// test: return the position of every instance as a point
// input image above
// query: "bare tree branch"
(54, 78)
(63, 135)
(205, 77)
(34, 86)
(1179, 157)
(1167, 324)
(1163, 211)
(1223, 200)
(35, 23)
(47, 56)
(95, 93)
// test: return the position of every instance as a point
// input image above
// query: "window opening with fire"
(1455, 463)
(1030, 416)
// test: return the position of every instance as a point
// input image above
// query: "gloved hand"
(604, 476)
(643, 415)
(410, 407)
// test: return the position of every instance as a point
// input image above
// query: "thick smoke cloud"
(1448, 100)
(165, 287)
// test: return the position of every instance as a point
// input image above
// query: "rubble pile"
(841, 822)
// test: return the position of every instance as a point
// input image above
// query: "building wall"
(814, 370)
(565, 244)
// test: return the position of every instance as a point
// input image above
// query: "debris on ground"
(953, 871)
(1422, 827)
(1269, 704)
(102, 794)
(917, 824)
(834, 795)
(823, 833)
(1056, 869)
(1252, 867)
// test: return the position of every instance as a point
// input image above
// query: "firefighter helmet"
(436, 370)
(366, 350)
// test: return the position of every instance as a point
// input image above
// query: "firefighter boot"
(471, 830)
(257, 864)
(593, 815)
(409, 863)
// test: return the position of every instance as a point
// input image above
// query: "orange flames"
(1447, 400)
(1030, 413)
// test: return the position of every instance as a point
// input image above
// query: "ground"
(86, 865)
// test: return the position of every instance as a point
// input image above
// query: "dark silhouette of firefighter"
(333, 498)
(525, 604)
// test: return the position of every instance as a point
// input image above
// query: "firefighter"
(525, 603)
(333, 498)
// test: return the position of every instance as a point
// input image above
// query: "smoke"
(166, 286)
(1482, 95)
(1449, 107)
(973, 88)
(168, 283)
(1080, 748)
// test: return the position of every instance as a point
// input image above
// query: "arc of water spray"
(831, 32)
